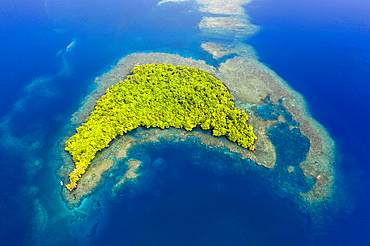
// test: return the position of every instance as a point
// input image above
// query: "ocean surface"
(51, 51)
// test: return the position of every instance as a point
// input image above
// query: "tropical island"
(163, 96)
(292, 151)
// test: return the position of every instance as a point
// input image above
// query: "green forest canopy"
(158, 95)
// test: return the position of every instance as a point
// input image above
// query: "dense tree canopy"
(158, 95)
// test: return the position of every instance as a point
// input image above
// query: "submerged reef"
(168, 1)
(293, 152)
(224, 19)
(158, 95)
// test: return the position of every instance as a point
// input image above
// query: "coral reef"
(277, 113)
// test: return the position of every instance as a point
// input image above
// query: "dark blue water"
(189, 205)
(321, 49)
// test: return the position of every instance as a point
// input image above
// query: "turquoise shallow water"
(320, 49)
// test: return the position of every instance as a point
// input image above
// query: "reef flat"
(168, 1)
(226, 19)
(291, 147)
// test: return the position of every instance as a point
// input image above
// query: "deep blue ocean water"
(320, 48)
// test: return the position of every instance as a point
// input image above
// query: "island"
(292, 152)
(158, 95)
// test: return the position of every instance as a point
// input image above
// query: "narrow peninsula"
(163, 96)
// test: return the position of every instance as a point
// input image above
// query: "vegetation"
(158, 95)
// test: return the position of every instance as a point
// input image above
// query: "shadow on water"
(187, 204)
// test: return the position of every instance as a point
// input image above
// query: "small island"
(293, 152)
(163, 96)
